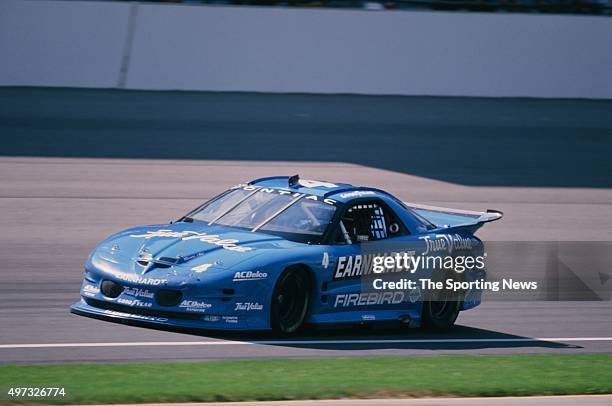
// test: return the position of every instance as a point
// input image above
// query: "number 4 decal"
(316, 183)
(325, 261)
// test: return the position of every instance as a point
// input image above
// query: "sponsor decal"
(114, 313)
(248, 306)
(448, 243)
(369, 299)
(249, 276)
(138, 292)
(201, 268)
(368, 317)
(230, 319)
(90, 290)
(194, 305)
(358, 265)
(228, 244)
(139, 279)
(357, 193)
(211, 318)
(133, 302)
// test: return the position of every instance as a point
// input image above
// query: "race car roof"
(338, 191)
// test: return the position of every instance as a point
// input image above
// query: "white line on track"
(303, 342)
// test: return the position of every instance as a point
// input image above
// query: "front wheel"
(290, 301)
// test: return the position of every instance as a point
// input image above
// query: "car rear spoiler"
(447, 217)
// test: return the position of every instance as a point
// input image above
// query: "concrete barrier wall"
(306, 50)
(56, 43)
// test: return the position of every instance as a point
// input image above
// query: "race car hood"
(185, 247)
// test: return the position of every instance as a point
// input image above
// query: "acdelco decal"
(195, 305)
(249, 276)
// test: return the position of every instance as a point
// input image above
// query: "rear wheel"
(290, 301)
(441, 309)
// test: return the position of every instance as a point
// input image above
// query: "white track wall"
(63, 43)
(192, 47)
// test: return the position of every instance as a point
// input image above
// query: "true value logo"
(228, 243)
(447, 242)
(248, 306)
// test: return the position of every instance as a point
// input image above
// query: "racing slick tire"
(441, 309)
(290, 301)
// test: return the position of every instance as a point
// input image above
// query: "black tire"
(442, 307)
(290, 301)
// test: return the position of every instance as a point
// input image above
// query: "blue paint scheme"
(218, 292)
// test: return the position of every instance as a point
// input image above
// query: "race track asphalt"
(76, 166)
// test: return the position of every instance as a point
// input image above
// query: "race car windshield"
(269, 210)
(220, 205)
(303, 217)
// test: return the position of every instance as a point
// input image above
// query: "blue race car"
(283, 252)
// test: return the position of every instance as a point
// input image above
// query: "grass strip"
(316, 378)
